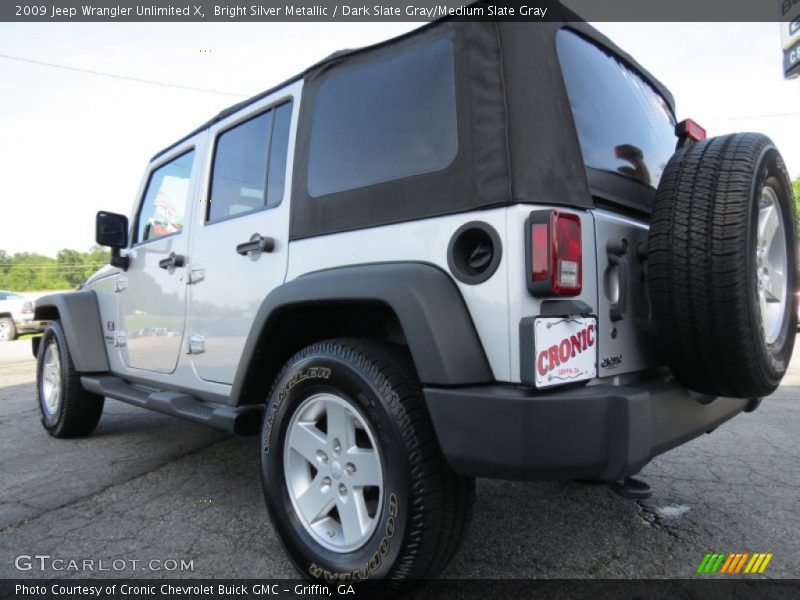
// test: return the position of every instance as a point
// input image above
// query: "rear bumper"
(602, 432)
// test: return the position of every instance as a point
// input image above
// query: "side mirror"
(111, 230)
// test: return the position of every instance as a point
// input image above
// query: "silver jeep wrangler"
(479, 249)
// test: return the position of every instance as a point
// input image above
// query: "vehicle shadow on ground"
(150, 483)
(544, 529)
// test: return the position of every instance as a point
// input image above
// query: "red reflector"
(555, 253)
(566, 245)
(540, 252)
(689, 130)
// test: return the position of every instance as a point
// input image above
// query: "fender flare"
(437, 325)
(79, 315)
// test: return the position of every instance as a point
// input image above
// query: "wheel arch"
(79, 315)
(415, 304)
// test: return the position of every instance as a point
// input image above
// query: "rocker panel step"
(240, 420)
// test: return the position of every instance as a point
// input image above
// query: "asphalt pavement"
(146, 487)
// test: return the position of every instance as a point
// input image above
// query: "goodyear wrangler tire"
(723, 264)
(67, 410)
(354, 480)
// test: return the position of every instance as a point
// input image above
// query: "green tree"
(26, 271)
(796, 186)
(71, 264)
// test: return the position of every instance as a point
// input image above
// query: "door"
(240, 238)
(152, 292)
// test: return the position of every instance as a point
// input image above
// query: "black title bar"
(394, 10)
(753, 588)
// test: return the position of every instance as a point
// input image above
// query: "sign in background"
(790, 37)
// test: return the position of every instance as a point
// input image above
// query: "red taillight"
(555, 253)
(567, 255)
(540, 252)
(689, 131)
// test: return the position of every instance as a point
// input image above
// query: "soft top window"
(249, 169)
(623, 124)
(384, 120)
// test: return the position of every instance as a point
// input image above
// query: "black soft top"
(517, 141)
(568, 18)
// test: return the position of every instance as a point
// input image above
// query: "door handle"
(172, 261)
(257, 243)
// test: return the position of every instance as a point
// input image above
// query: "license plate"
(565, 350)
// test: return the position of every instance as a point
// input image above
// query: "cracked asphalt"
(146, 486)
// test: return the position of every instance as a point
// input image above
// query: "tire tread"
(441, 502)
(698, 253)
(80, 410)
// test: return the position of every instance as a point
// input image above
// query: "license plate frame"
(557, 337)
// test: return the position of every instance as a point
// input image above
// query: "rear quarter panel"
(423, 241)
(496, 305)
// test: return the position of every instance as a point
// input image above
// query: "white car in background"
(16, 316)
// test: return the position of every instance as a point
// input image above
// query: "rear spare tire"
(723, 264)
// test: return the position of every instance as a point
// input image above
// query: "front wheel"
(67, 409)
(353, 477)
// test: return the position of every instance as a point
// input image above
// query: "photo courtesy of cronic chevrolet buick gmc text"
(478, 250)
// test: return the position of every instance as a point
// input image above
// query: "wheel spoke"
(768, 224)
(367, 468)
(314, 503)
(775, 286)
(353, 515)
(340, 425)
(52, 396)
(762, 304)
(306, 439)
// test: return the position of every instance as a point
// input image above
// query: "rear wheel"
(67, 409)
(354, 480)
(723, 265)
(8, 330)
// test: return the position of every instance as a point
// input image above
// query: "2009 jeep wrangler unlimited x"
(480, 249)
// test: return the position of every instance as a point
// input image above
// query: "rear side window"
(385, 120)
(624, 125)
(249, 171)
(164, 204)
